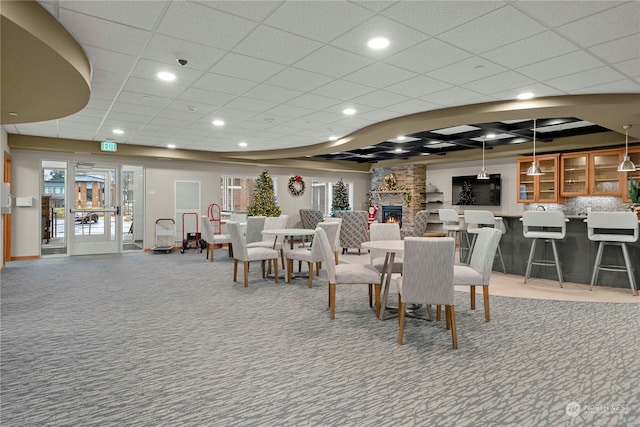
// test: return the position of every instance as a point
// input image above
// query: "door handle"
(117, 210)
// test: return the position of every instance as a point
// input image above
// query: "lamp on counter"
(534, 169)
(483, 173)
(626, 165)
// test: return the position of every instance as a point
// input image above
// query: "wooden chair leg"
(378, 289)
(246, 273)
(447, 318)
(282, 257)
(318, 268)
(264, 270)
(452, 321)
(472, 294)
(275, 268)
(235, 270)
(438, 315)
(485, 294)
(336, 255)
(332, 300)
(401, 308)
(370, 295)
(310, 274)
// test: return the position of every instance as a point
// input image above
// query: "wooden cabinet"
(574, 174)
(592, 173)
(541, 188)
(634, 155)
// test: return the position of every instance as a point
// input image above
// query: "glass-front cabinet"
(603, 169)
(574, 174)
(541, 188)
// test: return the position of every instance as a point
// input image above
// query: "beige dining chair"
(272, 223)
(384, 231)
(313, 254)
(478, 271)
(346, 274)
(427, 279)
(336, 241)
(248, 255)
(213, 239)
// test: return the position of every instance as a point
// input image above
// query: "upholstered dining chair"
(384, 231)
(354, 230)
(310, 218)
(311, 254)
(336, 242)
(213, 239)
(255, 225)
(247, 255)
(346, 274)
(420, 223)
(272, 223)
(478, 271)
(427, 278)
(476, 220)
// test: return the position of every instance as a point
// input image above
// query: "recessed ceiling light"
(118, 131)
(401, 138)
(166, 76)
(378, 43)
(242, 144)
(398, 150)
(525, 95)
(349, 111)
(12, 113)
(333, 138)
(171, 145)
(491, 135)
(218, 122)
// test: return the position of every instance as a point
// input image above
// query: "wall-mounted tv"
(469, 190)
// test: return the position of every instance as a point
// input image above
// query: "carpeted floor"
(145, 339)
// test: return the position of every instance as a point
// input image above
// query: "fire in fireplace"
(392, 214)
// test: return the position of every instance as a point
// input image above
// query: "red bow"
(298, 178)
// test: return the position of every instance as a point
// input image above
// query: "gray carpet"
(145, 339)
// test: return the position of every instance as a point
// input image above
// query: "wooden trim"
(7, 217)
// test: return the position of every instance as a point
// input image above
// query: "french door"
(94, 197)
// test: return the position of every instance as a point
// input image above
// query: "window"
(322, 194)
(237, 192)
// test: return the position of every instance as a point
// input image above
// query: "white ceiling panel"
(418, 86)
(167, 49)
(414, 106)
(379, 99)
(499, 82)
(276, 46)
(562, 12)
(466, 71)
(138, 14)
(379, 75)
(428, 55)
(245, 67)
(153, 87)
(343, 90)
(571, 63)
(297, 79)
(539, 47)
(273, 93)
(255, 10)
(618, 50)
(586, 79)
(333, 62)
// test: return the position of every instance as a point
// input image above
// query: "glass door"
(95, 213)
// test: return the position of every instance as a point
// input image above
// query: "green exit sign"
(108, 146)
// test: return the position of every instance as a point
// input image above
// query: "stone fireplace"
(413, 177)
(392, 214)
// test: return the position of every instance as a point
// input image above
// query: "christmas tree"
(340, 197)
(263, 201)
(466, 196)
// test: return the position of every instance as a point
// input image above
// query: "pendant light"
(483, 173)
(626, 165)
(534, 169)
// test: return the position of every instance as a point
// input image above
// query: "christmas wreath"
(296, 185)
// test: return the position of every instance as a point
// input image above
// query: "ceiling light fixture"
(171, 146)
(534, 169)
(524, 96)
(333, 138)
(118, 131)
(218, 122)
(483, 172)
(378, 43)
(166, 76)
(626, 165)
(242, 144)
(349, 111)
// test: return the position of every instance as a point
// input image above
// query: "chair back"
(320, 239)
(237, 241)
(332, 230)
(238, 217)
(553, 222)
(427, 276)
(310, 218)
(478, 219)
(599, 222)
(355, 228)
(419, 227)
(283, 221)
(484, 252)
(255, 225)
(336, 243)
(383, 231)
(451, 220)
(207, 229)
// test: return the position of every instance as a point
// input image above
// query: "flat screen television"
(469, 190)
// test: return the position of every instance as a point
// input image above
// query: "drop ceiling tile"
(418, 86)
(245, 67)
(613, 23)
(147, 69)
(498, 82)
(108, 80)
(453, 96)
(104, 34)
(380, 99)
(618, 50)
(291, 111)
(276, 46)
(272, 93)
(466, 71)
(253, 10)
(586, 79)
(107, 60)
(560, 66)
(621, 86)
(342, 89)
(143, 99)
(250, 104)
(630, 67)
(297, 79)
(379, 75)
(378, 115)
(205, 97)
(534, 49)
(153, 87)
(311, 101)
(428, 55)
(138, 14)
(318, 20)
(334, 62)
(200, 24)
(538, 89)
(167, 49)
(414, 106)
(556, 13)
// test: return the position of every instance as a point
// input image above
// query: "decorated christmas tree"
(466, 196)
(264, 199)
(340, 197)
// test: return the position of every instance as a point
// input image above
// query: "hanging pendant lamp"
(483, 173)
(534, 169)
(626, 165)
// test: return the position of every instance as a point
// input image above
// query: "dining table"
(288, 234)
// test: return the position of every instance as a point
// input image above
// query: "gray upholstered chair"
(478, 271)
(213, 239)
(428, 278)
(247, 255)
(255, 225)
(354, 230)
(345, 274)
(384, 231)
(310, 218)
(272, 223)
(419, 225)
(336, 242)
(313, 254)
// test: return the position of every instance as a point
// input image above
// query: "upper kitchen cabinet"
(574, 174)
(605, 180)
(540, 188)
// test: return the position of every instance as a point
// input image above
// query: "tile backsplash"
(579, 205)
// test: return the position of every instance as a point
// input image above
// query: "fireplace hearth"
(392, 214)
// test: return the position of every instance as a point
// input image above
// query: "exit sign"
(108, 146)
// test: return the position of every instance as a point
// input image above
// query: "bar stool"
(616, 229)
(475, 220)
(548, 226)
(453, 224)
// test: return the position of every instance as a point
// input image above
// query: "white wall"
(3, 148)
(160, 176)
(440, 176)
